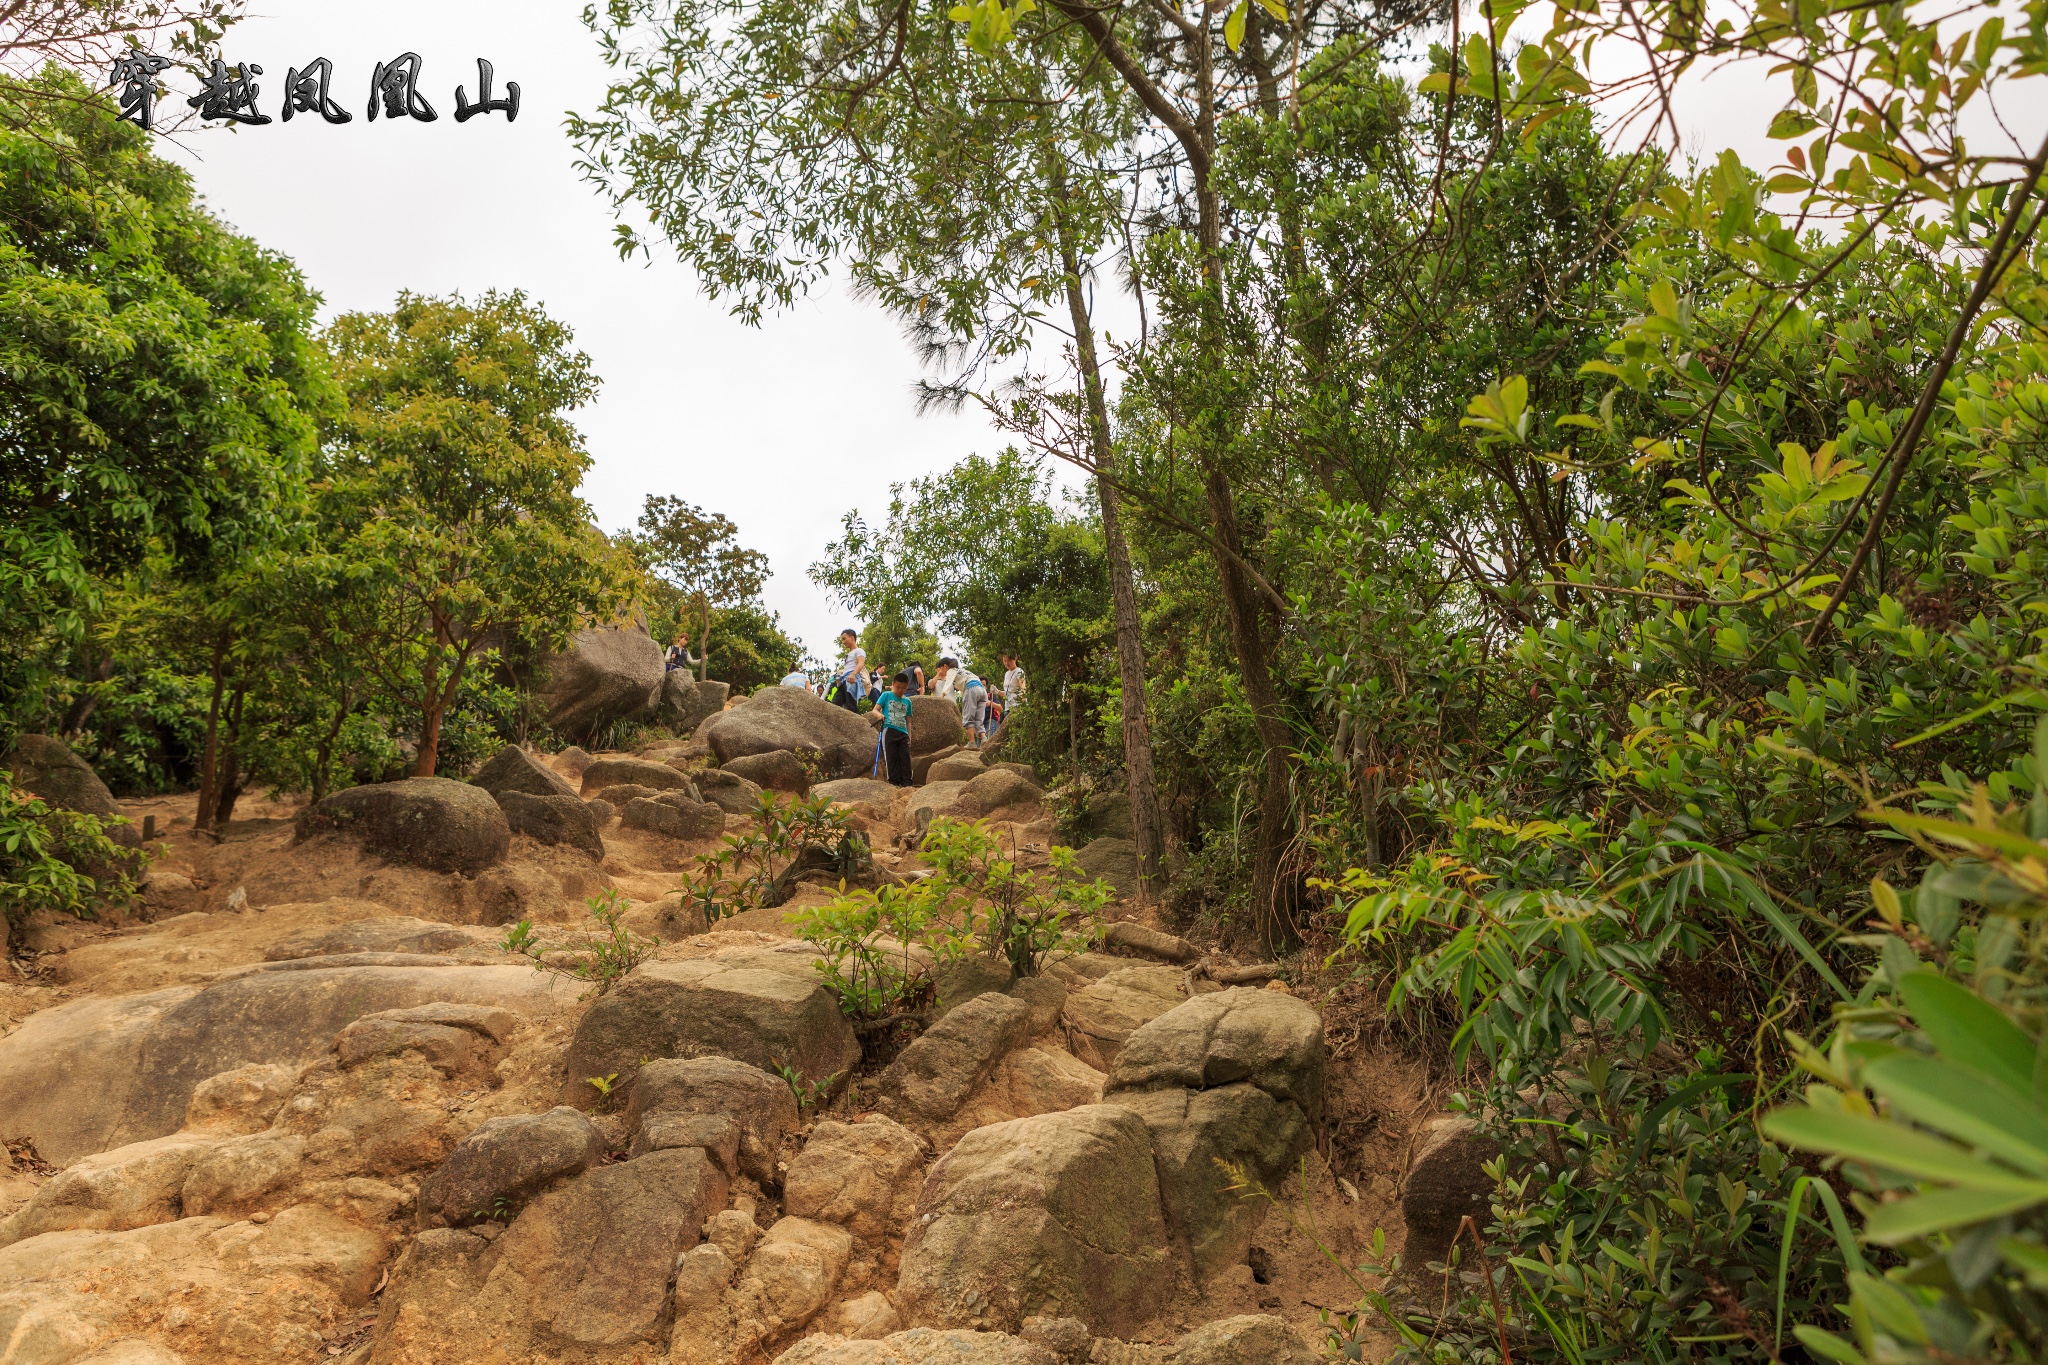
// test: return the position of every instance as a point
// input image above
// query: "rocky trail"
(302, 1106)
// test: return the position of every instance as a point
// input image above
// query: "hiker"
(946, 679)
(795, 678)
(678, 654)
(847, 687)
(918, 686)
(895, 706)
(973, 704)
(1013, 683)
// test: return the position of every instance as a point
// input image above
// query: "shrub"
(55, 859)
(600, 956)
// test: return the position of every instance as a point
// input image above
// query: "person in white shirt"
(796, 679)
(848, 674)
(1013, 682)
(946, 678)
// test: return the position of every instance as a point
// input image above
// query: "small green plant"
(605, 1086)
(1019, 916)
(43, 848)
(869, 945)
(752, 869)
(600, 956)
(809, 1094)
(500, 1211)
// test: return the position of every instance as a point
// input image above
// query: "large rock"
(674, 815)
(932, 1078)
(931, 801)
(964, 766)
(1248, 1340)
(1270, 1038)
(761, 1008)
(997, 788)
(730, 792)
(394, 934)
(685, 702)
(584, 1268)
(146, 1054)
(431, 822)
(921, 765)
(603, 675)
(1041, 1081)
(637, 772)
(791, 718)
(1108, 816)
(934, 725)
(1056, 1215)
(869, 795)
(130, 1187)
(504, 1163)
(563, 820)
(513, 769)
(1103, 1015)
(919, 1346)
(1193, 1132)
(47, 767)
(862, 1176)
(1110, 860)
(1446, 1184)
(778, 770)
(226, 1293)
(670, 1095)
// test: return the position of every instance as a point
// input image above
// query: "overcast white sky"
(783, 429)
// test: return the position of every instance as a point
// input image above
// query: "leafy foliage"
(56, 860)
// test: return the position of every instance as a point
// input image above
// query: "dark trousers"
(896, 755)
(842, 697)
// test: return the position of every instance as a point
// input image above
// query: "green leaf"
(1918, 1215)
(1962, 1103)
(1893, 1147)
(1233, 27)
(1277, 10)
(1791, 123)
(1965, 1027)
(1829, 1346)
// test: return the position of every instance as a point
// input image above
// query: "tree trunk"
(1130, 644)
(323, 759)
(431, 707)
(209, 754)
(230, 780)
(1074, 727)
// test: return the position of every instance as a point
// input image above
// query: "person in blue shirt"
(895, 707)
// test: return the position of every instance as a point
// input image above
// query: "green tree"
(699, 568)
(448, 504)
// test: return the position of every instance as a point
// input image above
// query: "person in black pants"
(895, 707)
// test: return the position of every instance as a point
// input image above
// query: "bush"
(55, 859)
(600, 956)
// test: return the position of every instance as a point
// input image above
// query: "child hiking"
(895, 707)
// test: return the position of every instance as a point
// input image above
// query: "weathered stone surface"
(1104, 1014)
(603, 675)
(934, 726)
(685, 703)
(921, 764)
(513, 769)
(66, 1295)
(586, 1267)
(729, 791)
(790, 1276)
(396, 934)
(919, 1346)
(668, 1092)
(1268, 1038)
(147, 1053)
(1111, 860)
(962, 767)
(496, 1169)
(1248, 1340)
(718, 1134)
(959, 980)
(235, 1175)
(571, 762)
(130, 1187)
(761, 1008)
(1039, 1081)
(130, 1351)
(243, 1099)
(871, 796)
(997, 788)
(932, 1078)
(1056, 1215)
(673, 815)
(791, 718)
(870, 1317)
(431, 822)
(931, 801)
(1150, 942)
(1109, 816)
(636, 772)
(862, 1176)
(455, 1039)
(1045, 994)
(1191, 1132)
(778, 770)
(1445, 1184)
(553, 820)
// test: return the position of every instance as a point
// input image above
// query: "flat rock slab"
(144, 1054)
(761, 1008)
(1054, 1216)
(637, 772)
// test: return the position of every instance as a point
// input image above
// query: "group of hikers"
(981, 711)
(853, 682)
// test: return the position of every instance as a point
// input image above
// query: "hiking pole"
(876, 766)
